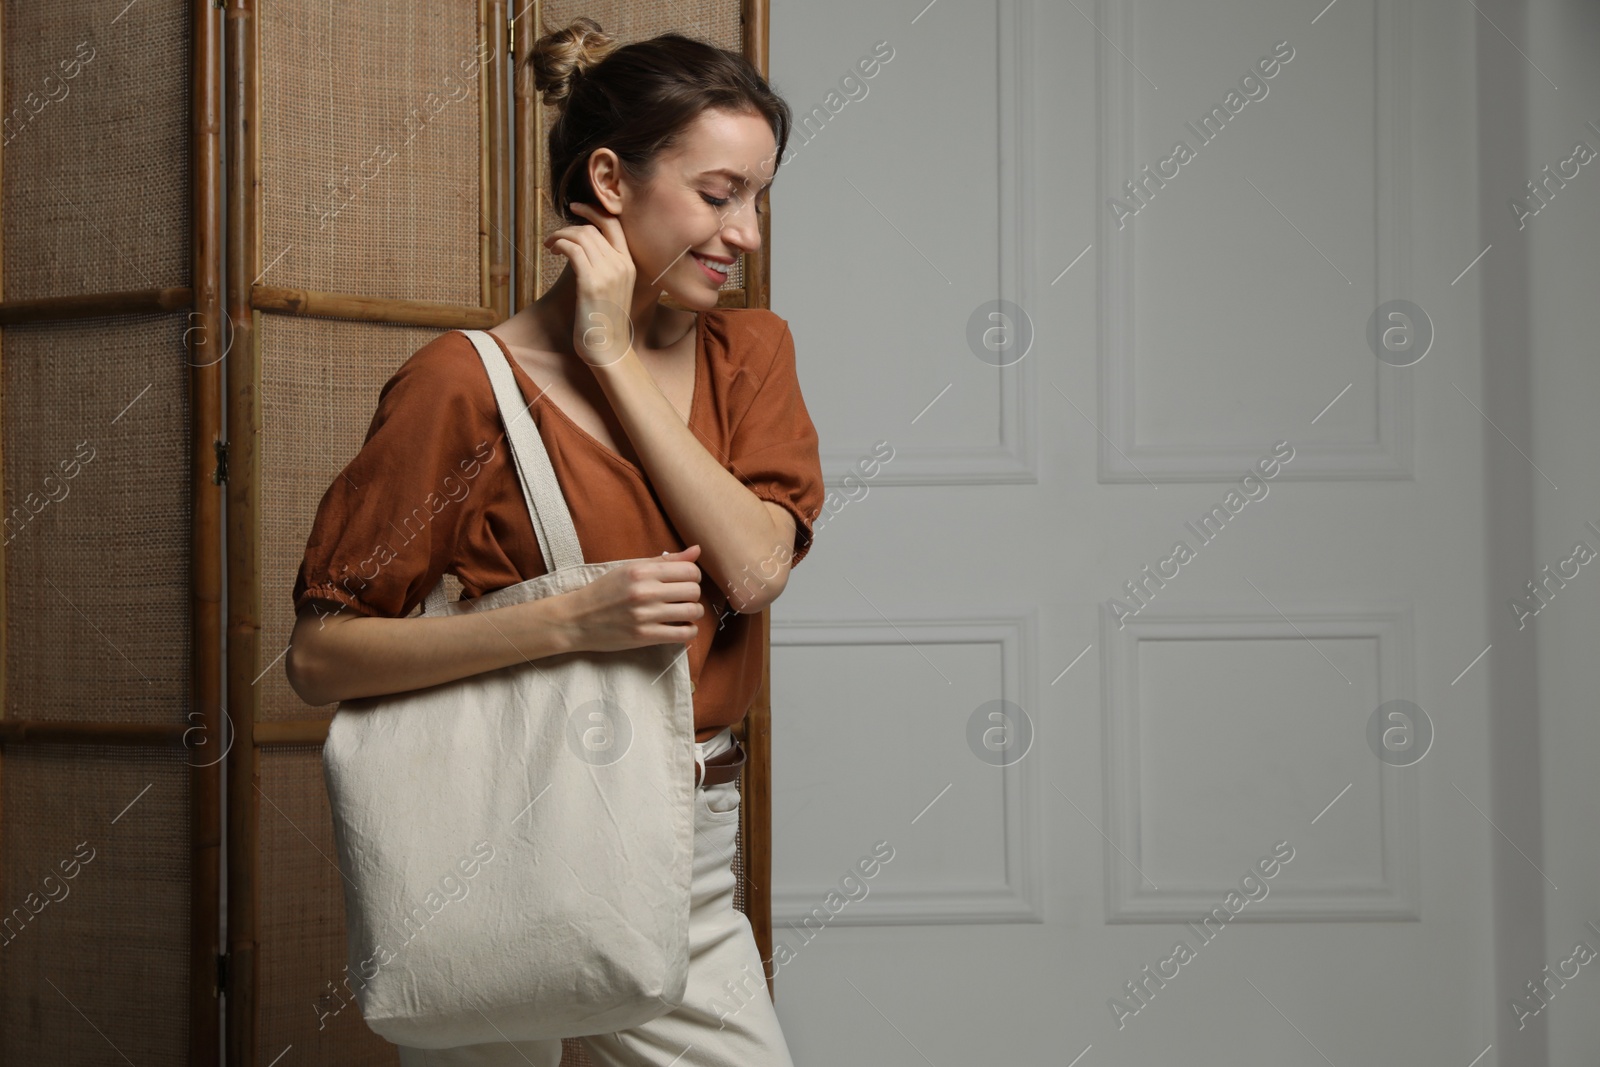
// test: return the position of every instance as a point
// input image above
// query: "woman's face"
(702, 201)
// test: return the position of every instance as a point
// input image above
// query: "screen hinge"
(220, 474)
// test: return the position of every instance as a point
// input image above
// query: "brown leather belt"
(724, 766)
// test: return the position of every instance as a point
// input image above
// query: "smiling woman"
(680, 442)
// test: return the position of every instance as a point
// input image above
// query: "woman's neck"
(556, 311)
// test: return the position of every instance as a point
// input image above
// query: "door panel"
(1073, 739)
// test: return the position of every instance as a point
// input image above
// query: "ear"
(605, 177)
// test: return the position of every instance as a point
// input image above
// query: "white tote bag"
(517, 846)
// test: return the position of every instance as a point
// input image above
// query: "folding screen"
(366, 214)
(371, 162)
(111, 737)
(741, 27)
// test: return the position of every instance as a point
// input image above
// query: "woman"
(675, 435)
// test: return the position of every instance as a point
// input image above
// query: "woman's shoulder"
(749, 338)
(749, 327)
(446, 369)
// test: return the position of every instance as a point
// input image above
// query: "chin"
(701, 297)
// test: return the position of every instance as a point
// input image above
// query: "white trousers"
(726, 1018)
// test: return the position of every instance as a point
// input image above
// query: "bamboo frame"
(507, 276)
(92, 305)
(312, 303)
(756, 818)
(4, 599)
(58, 732)
(208, 352)
(247, 302)
(203, 298)
(497, 209)
(527, 159)
(242, 75)
(291, 732)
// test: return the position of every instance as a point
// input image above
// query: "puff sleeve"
(773, 448)
(388, 527)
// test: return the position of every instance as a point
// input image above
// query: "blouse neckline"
(595, 442)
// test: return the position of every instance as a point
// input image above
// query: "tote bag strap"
(547, 507)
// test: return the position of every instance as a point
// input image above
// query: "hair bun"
(559, 57)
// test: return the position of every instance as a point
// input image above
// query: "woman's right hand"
(644, 602)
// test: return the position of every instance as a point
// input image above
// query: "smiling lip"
(708, 272)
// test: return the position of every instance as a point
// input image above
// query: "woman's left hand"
(602, 330)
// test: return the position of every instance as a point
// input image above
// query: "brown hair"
(636, 100)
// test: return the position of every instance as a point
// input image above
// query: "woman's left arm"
(746, 543)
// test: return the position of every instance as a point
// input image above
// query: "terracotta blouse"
(433, 489)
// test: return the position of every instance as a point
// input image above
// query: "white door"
(1130, 707)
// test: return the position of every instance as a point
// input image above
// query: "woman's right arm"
(335, 654)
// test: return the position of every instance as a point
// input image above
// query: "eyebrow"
(736, 177)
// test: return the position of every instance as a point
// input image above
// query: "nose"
(742, 226)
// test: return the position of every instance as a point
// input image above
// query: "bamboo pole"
(312, 303)
(497, 147)
(290, 732)
(243, 79)
(755, 19)
(757, 797)
(4, 568)
(528, 162)
(205, 357)
(15, 732)
(97, 305)
(485, 136)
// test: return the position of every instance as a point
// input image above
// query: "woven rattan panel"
(96, 147)
(94, 960)
(714, 20)
(94, 445)
(320, 380)
(370, 148)
(320, 384)
(304, 999)
(408, 228)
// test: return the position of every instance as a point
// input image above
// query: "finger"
(600, 224)
(679, 570)
(584, 235)
(681, 576)
(609, 225)
(572, 250)
(682, 614)
(597, 216)
(680, 592)
(590, 211)
(589, 238)
(556, 238)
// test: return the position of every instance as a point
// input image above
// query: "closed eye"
(722, 201)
